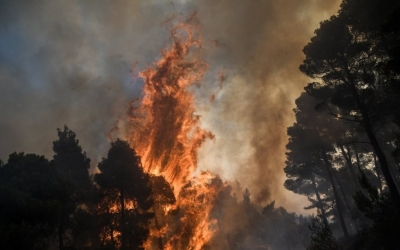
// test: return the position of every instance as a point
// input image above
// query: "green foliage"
(380, 209)
(321, 235)
(372, 204)
(354, 57)
(311, 144)
(352, 54)
(283, 229)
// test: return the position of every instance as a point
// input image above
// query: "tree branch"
(344, 118)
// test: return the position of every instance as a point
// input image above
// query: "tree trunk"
(349, 206)
(61, 227)
(346, 202)
(335, 194)
(321, 205)
(159, 239)
(122, 222)
(374, 142)
(378, 174)
(357, 157)
(111, 228)
(349, 164)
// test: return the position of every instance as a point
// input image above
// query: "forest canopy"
(343, 147)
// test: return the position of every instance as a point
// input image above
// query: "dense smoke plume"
(262, 50)
(70, 63)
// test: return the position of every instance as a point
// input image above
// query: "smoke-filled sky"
(70, 62)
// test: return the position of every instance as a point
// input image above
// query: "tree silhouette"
(309, 160)
(344, 56)
(73, 165)
(386, 221)
(321, 235)
(72, 162)
(126, 197)
(162, 195)
(31, 192)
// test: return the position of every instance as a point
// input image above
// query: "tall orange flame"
(196, 225)
(165, 130)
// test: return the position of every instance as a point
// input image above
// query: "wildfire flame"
(196, 225)
(165, 130)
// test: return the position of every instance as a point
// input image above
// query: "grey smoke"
(69, 62)
(263, 50)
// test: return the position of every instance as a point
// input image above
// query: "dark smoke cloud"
(69, 62)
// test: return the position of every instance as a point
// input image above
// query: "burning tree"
(126, 198)
(73, 165)
(165, 131)
(192, 211)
